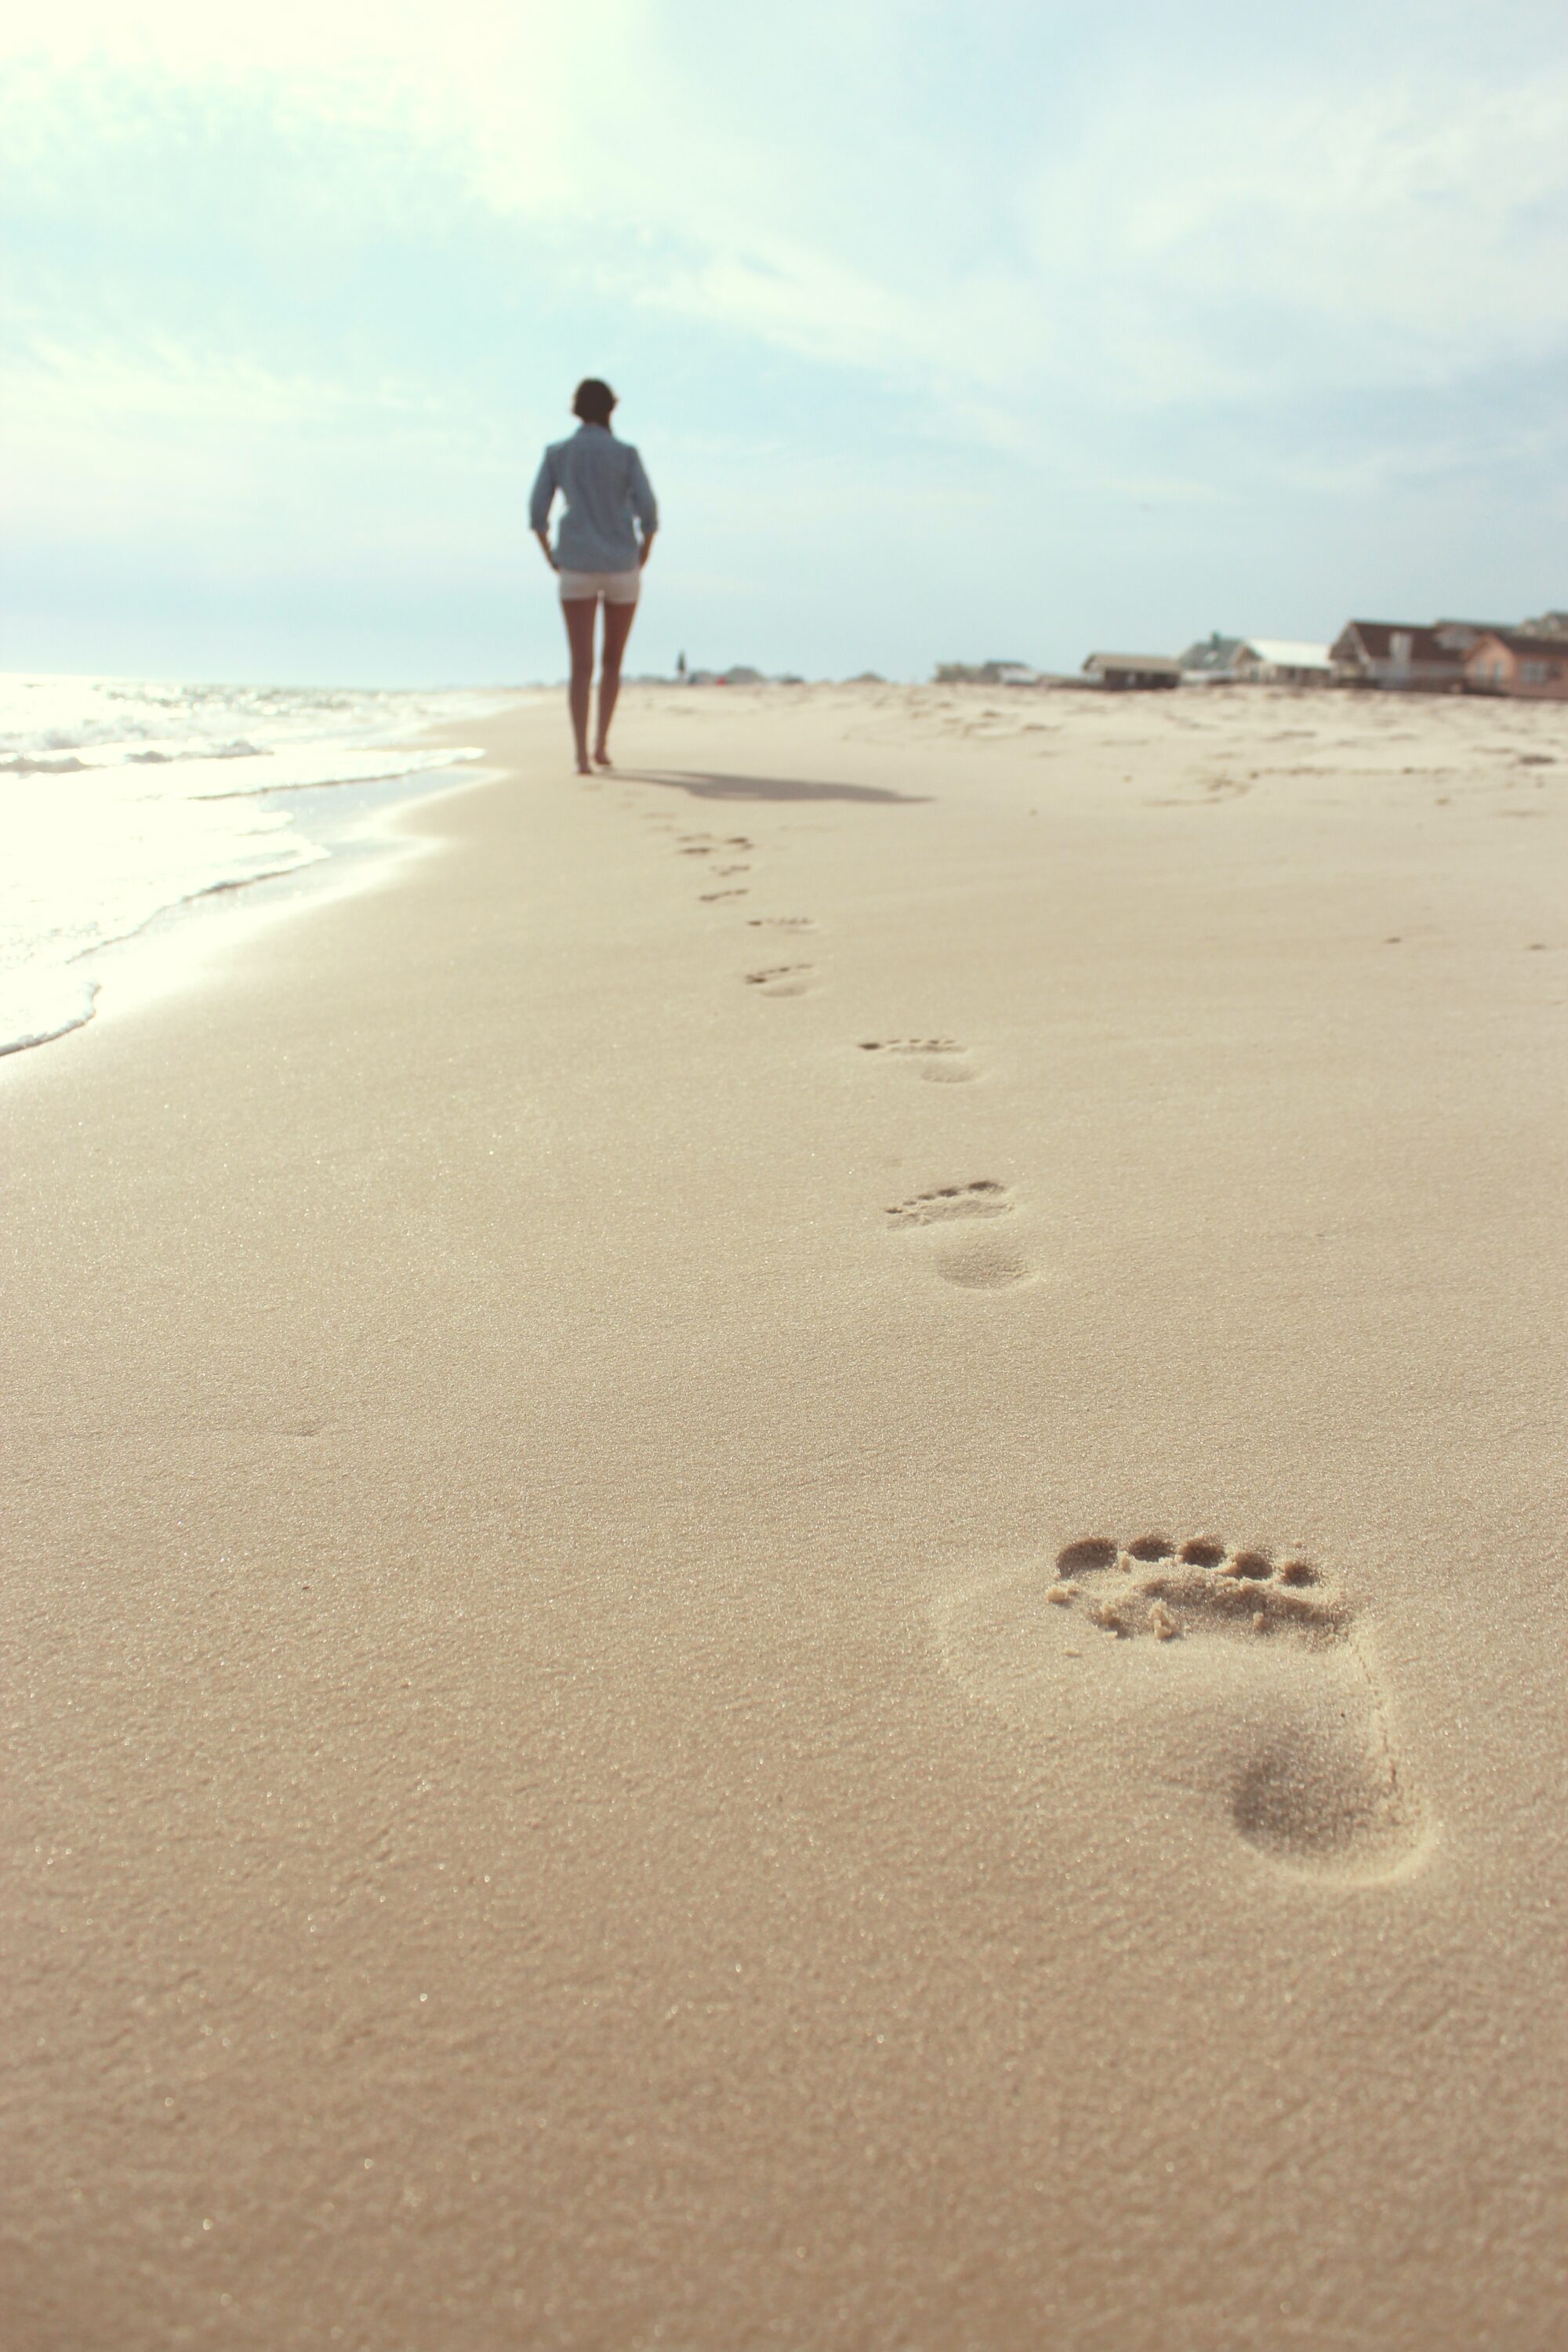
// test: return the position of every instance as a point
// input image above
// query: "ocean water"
(120, 798)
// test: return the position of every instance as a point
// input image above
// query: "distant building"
(1520, 662)
(987, 673)
(1549, 625)
(1211, 661)
(1404, 654)
(1283, 661)
(1122, 672)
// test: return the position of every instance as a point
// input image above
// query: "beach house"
(1122, 671)
(1514, 661)
(1210, 661)
(1283, 661)
(1406, 656)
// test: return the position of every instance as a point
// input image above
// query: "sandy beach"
(785, 1562)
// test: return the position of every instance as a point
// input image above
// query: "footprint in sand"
(974, 1261)
(781, 923)
(940, 1059)
(1238, 1676)
(716, 898)
(711, 845)
(781, 979)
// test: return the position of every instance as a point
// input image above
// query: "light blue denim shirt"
(607, 493)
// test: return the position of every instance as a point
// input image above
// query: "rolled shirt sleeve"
(645, 506)
(544, 489)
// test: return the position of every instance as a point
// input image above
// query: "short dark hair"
(593, 400)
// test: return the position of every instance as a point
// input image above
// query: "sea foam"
(120, 798)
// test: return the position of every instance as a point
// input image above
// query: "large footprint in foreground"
(1226, 1672)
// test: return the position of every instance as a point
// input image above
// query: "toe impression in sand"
(1242, 1674)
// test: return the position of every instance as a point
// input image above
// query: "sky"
(1011, 329)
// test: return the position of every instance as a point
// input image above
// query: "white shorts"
(615, 587)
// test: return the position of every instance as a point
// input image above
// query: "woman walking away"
(606, 534)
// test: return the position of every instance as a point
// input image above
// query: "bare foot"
(583, 769)
(602, 759)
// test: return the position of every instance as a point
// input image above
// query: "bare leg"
(579, 614)
(618, 619)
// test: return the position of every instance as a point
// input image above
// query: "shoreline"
(352, 829)
(558, 1783)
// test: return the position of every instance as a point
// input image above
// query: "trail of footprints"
(1240, 1674)
(729, 854)
(1235, 1674)
(970, 1260)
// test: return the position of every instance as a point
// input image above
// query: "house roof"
(1521, 641)
(1289, 653)
(1377, 640)
(1213, 651)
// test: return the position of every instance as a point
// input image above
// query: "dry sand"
(560, 1788)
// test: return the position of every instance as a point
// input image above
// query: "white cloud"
(510, 89)
(145, 434)
(1204, 228)
(1348, 237)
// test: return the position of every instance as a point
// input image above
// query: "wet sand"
(785, 1562)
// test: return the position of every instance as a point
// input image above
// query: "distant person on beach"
(606, 538)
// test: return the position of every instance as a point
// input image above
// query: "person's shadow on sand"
(764, 788)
